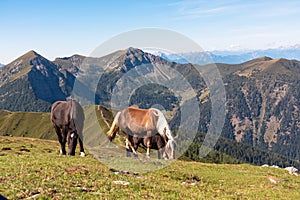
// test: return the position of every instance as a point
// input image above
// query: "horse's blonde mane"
(162, 123)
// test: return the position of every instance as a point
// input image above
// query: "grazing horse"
(68, 118)
(141, 123)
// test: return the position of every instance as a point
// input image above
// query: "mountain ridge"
(232, 57)
(262, 94)
(34, 81)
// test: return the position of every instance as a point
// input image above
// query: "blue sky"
(63, 28)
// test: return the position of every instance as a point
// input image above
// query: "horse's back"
(62, 112)
(59, 112)
(137, 112)
(140, 117)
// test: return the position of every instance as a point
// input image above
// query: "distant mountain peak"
(266, 65)
(32, 52)
(71, 63)
(132, 57)
(75, 56)
(132, 50)
(264, 58)
(28, 59)
(29, 55)
(23, 65)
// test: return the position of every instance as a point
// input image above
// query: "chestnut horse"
(141, 123)
(68, 119)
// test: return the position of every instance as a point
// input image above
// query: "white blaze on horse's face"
(170, 149)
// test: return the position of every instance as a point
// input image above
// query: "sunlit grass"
(34, 168)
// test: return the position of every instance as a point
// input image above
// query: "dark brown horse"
(141, 123)
(157, 142)
(68, 119)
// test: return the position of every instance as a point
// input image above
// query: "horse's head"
(170, 149)
(72, 142)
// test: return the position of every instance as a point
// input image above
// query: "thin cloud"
(218, 8)
(197, 9)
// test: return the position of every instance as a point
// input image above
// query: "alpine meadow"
(261, 129)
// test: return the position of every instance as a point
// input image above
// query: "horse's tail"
(53, 107)
(104, 118)
(114, 128)
(76, 116)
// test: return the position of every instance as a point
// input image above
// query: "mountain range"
(232, 57)
(262, 95)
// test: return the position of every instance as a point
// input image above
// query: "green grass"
(34, 167)
(27, 124)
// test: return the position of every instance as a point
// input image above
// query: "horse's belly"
(139, 131)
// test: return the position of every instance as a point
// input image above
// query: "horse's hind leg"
(135, 146)
(159, 153)
(128, 147)
(128, 153)
(148, 143)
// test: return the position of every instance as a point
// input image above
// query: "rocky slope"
(33, 83)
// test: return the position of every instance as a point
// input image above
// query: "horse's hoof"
(128, 154)
(135, 155)
(82, 154)
(62, 153)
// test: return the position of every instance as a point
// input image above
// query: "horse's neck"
(161, 123)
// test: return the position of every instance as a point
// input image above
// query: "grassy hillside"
(33, 168)
(38, 125)
(26, 124)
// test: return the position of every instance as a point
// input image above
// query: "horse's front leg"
(82, 154)
(148, 145)
(164, 154)
(160, 152)
(60, 139)
(63, 140)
